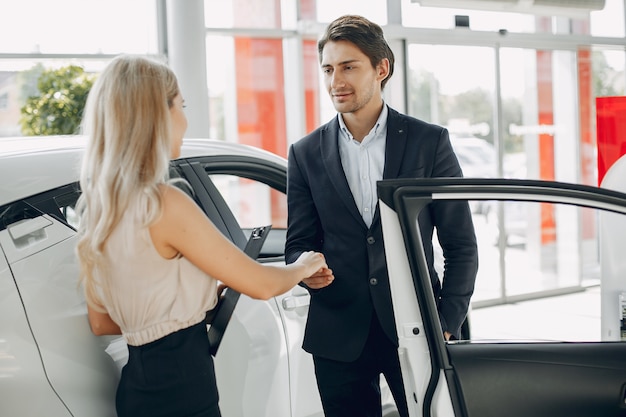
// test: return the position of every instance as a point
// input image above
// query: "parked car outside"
(478, 159)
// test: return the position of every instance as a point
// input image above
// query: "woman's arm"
(184, 228)
(101, 323)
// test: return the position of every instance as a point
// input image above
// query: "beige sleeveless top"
(147, 295)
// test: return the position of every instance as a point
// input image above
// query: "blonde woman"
(150, 259)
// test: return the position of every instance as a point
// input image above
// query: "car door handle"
(29, 228)
(293, 302)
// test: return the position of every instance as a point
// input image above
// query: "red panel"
(311, 84)
(546, 141)
(308, 9)
(261, 104)
(611, 127)
(260, 94)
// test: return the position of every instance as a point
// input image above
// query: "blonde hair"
(127, 123)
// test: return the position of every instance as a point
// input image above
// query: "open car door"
(538, 364)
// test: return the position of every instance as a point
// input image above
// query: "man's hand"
(322, 278)
(449, 336)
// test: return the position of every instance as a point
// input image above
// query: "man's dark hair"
(366, 35)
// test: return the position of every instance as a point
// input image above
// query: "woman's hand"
(320, 277)
(312, 261)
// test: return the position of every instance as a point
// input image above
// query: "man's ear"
(382, 69)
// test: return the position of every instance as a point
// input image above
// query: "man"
(332, 205)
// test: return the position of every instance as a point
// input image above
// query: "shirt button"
(371, 240)
(373, 281)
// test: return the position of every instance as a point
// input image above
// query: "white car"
(52, 365)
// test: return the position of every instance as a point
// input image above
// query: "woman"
(150, 259)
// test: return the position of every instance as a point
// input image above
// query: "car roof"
(31, 165)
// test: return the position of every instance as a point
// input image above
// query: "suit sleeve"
(304, 231)
(455, 231)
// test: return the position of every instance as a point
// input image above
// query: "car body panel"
(251, 365)
(31, 165)
(21, 372)
(75, 361)
(491, 378)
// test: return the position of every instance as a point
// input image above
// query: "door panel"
(541, 379)
(538, 363)
(20, 363)
(75, 360)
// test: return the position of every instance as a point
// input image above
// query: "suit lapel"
(396, 143)
(332, 162)
(394, 150)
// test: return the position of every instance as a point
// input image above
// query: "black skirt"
(172, 376)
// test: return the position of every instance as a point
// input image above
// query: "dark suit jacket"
(324, 217)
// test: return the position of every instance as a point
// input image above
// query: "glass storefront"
(516, 91)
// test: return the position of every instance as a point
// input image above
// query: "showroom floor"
(572, 317)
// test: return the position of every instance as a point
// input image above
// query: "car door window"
(254, 203)
(539, 273)
(59, 203)
(534, 258)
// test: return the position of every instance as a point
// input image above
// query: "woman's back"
(147, 295)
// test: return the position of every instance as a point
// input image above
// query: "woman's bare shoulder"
(172, 195)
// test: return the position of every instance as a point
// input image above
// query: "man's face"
(351, 81)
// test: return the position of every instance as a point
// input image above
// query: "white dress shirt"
(363, 163)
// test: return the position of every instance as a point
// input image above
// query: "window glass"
(4, 101)
(248, 105)
(16, 212)
(222, 88)
(609, 77)
(414, 15)
(329, 10)
(453, 86)
(67, 206)
(609, 21)
(18, 81)
(555, 257)
(243, 13)
(253, 203)
(59, 203)
(78, 26)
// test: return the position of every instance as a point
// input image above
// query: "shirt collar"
(379, 126)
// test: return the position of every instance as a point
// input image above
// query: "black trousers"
(172, 376)
(353, 388)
